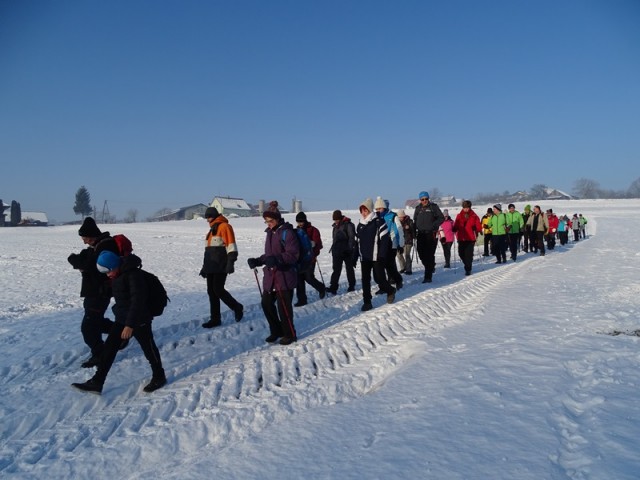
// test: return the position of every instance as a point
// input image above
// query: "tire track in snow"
(209, 405)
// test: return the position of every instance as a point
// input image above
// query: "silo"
(260, 207)
(297, 206)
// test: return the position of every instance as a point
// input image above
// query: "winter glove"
(270, 262)
(401, 249)
(203, 274)
(253, 263)
(229, 270)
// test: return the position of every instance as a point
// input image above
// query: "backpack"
(306, 250)
(124, 244)
(157, 298)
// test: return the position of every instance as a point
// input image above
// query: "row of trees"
(582, 188)
(83, 207)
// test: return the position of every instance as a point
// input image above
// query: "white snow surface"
(505, 374)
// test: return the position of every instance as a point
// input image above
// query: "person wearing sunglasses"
(427, 219)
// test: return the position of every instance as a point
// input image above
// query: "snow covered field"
(506, 374)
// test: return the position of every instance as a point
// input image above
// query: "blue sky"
(154, 104)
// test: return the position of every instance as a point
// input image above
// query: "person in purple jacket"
(281, 252)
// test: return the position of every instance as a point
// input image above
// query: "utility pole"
(106, 216)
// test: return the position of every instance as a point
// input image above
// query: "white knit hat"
(368, 204)
(379, 203)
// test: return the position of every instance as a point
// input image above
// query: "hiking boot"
(299, 303)
(123, 344)
(391, 296)
(212, 324)
(467, 272)
(366, 306)
(427, 278)
(407, 273)
(155, 384)
(272, 338)
(90, 386)
(92, 361)
(379, 292)
(332, 291)
(447, 266)
(288, 340)
(322, 293)
(238, 313)
(351, 289)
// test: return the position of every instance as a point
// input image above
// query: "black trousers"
(304, 277)
(500, 247)
(277, 308)
(540, 241)
(337, 271)
(465, 250)
(514, 242)
(426, 247)
(446, 249)
(488, 247)
(217, 292)
(94, 324)
(378, 269)
(143, 335)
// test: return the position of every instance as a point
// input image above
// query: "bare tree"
(132, 216)
(586, 188)
(538, 191)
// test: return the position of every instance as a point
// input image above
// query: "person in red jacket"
(466, 227)
(307, 275)
(554, 222)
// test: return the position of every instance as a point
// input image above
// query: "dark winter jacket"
(344, 239)
(94, 283)
(220, 252)
(373, 237)
(408, 230)
(467, 226)
(281, 252)
(130, 293)
(427, 218)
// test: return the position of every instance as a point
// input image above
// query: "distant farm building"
(184, 213)
(230, 207)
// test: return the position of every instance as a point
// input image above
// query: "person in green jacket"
(515, 227)
(498, 223)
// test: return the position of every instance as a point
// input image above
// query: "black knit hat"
(301, 217)
(89, 228)
(337, 215)
(211, 212)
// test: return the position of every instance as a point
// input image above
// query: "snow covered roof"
(232, 203)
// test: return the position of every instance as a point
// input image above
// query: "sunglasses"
(424, 199)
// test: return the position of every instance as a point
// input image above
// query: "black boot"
(158, 380)
(212, 324)
(91, 362)
(91, 386)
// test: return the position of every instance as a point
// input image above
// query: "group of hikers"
(382, 240)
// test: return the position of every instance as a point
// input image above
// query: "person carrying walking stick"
(281, 253)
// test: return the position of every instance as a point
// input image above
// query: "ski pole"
(321, 276)
(255, 272)
(283, 304)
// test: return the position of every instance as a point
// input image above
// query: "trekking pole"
(321, 276)
(283, 304)
(255, 272)
(455, 261)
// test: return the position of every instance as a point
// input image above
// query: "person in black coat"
(133, 319)
(95, 288)
(375, 249)
(344, 250)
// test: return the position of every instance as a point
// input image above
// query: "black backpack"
(157, 298)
